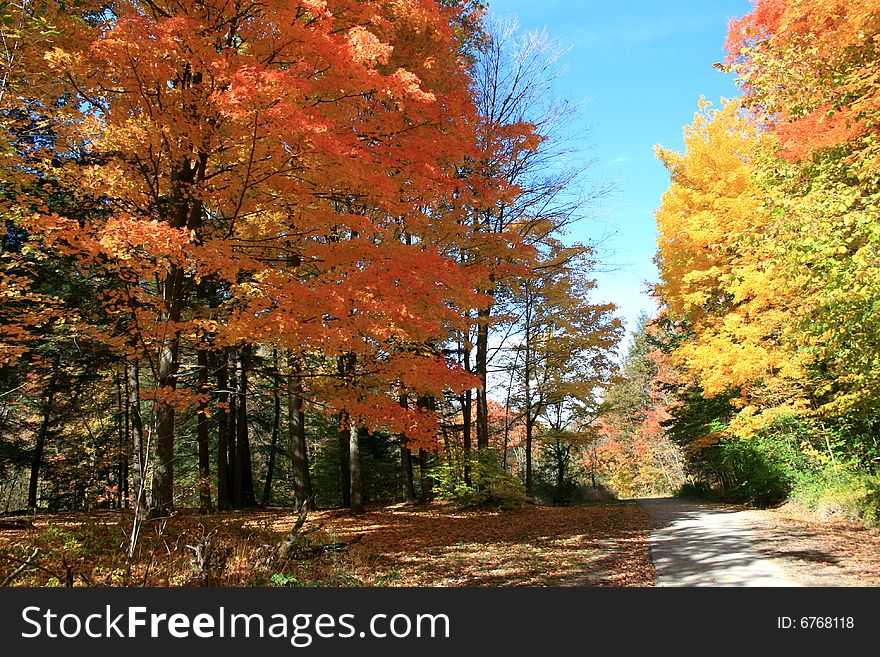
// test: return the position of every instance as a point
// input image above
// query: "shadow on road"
(700, 545)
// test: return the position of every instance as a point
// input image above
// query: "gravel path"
(695, 544)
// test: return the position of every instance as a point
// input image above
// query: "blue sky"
(643, 65)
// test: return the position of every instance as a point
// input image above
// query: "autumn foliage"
(768, 242)
(231, 226)
(633, 453)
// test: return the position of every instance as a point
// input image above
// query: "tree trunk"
(426, 486)
(560, 467)
(276, 425)
(466, 404)
(235, 429)
(529, 432)
(425, 482)
(139, 460)
(121, 443)
(183, 210)
(593, 466)
(344, 472)
(296, 426)
(467, 418)
(345, 366)
(527, 387)
(202, 434)
(162, 502)
(224, 502)
(506, 444)
(482, 368)
(243, 481)
(39, 447)
(356, 475)
(406, 466)
(248, 493)
(231, 435)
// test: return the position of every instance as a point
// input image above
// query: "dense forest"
(275, 253)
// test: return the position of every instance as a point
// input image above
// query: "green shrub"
(760, 470)
(820, 467)
(491, 485)
(841, 490)
(449, 483)
(573, 492)
(598, 493)
(871, 502)
(494, 485)
(698, 489)
(756, 471)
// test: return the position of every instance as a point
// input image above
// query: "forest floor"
(598, 544)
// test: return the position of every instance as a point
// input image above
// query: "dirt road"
(694, 544)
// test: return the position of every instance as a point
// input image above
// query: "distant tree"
(561, 362)
(634, 453)
(526, 132)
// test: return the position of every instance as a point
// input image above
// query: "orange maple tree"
(284, 173)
